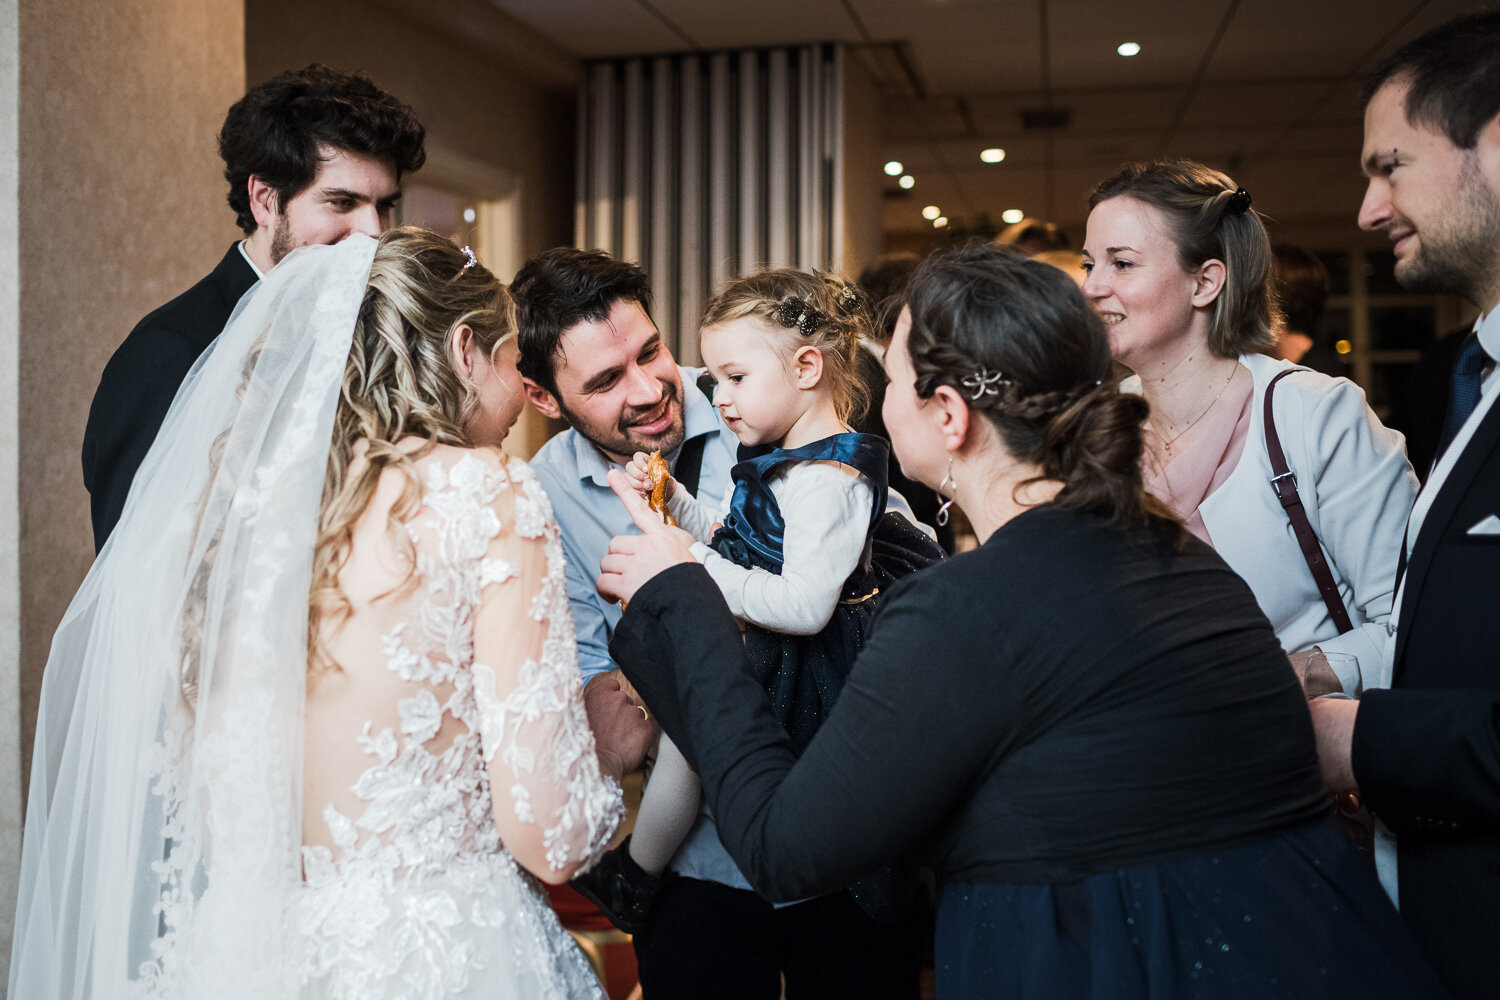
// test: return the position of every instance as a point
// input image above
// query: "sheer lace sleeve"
(554, 809)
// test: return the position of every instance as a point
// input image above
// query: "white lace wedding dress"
(206, 820)
(457, 702)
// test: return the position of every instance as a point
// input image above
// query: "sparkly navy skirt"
(1299, 915)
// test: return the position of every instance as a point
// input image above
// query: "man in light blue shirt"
(590, 355)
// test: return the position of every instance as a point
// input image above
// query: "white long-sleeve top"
(1357, 487)
(826, 506)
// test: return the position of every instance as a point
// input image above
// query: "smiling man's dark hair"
(561, 288)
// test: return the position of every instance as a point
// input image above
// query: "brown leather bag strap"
(1284, 482)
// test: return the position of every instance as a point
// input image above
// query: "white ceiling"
(1266, 89)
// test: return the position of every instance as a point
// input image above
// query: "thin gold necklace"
(1167, 442)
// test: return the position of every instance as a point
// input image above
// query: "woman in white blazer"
(1179, 268)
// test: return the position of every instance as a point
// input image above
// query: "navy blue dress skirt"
(1196, 926)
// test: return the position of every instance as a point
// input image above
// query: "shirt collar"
(246, 254)
(1488, 329)
(699, 418)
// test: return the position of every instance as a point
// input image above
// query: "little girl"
(793, 556)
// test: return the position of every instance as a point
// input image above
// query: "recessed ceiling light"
(1129, 48)
(894, 168)
(1012, 215)
(907, 181)
(992, 155)
(940, 222)
(931, 212)
(469, 215)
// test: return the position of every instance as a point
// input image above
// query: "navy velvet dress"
(803, 675)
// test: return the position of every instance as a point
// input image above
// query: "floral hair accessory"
(793, 312)
(1239, 202)
(850, 299)
(982, 383)
(472, 260)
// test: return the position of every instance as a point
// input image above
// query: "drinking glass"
(1321, 673)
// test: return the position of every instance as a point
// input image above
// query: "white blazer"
(1358, 490)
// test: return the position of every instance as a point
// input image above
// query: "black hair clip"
(1240, 201)
(793, 312)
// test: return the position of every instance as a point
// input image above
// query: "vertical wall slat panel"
(751, 193)
(779, 207)
(634, 163)
(583, 200)
(602, 155)
(703, 168)
(833, 145)
(807, 155)
(663, 266)
(721, 202)
(692, 235)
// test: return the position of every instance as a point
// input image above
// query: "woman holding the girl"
(1086, 726)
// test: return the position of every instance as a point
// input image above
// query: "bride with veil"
(316, 706)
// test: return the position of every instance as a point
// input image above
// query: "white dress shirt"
(1488, 329)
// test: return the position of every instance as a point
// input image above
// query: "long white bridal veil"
(163, 827)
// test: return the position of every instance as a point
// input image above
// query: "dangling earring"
(945, 490)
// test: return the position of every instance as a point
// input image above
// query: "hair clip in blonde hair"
(793, 312)
(850, 299)
(471, 259)
(982, 383)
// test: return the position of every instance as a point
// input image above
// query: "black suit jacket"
(1427, 752)
(143, 377)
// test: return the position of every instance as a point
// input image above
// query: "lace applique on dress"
(417, 897)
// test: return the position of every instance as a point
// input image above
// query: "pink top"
(1204, 460)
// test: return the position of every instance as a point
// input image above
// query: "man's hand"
(622, 727)
(1333, 725)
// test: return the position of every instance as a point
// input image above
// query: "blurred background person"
(1300, 281)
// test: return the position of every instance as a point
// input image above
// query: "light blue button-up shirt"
(573, 472)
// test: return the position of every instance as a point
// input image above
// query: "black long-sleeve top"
(1068, 698)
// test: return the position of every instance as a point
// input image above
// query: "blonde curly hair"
(400, 381)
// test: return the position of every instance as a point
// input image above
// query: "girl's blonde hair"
(803, 309)
(400, 381)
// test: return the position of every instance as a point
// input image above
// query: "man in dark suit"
(311, 157)
(1426, 752)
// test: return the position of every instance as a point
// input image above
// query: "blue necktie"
(1468, 372)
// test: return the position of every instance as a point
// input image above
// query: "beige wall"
(118, 207)
(121, 208)
(10, 516)
(473, 103)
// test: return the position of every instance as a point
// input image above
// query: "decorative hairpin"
(793, 312)
(472, 260)
(850, 299)
(982, 383)
(1240, 201)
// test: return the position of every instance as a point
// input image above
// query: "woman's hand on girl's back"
(634, 559)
